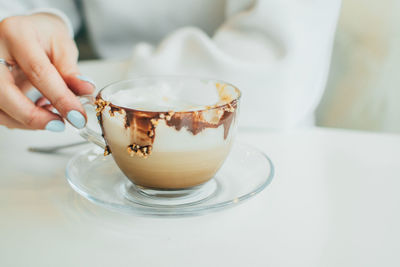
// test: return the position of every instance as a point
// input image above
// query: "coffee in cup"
(168, 132)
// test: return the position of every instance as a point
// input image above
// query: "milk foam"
(166, 97)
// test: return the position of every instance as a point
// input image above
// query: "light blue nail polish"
(76, 119)
(55, 126)
(86, 79)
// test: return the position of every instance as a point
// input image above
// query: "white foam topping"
(165, 96)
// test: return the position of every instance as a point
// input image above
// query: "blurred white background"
(363, 85)
(363, 90)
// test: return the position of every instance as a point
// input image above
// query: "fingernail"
(55, 126)
(76, 118)
(86, 79)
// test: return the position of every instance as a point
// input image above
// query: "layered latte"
(169, 134)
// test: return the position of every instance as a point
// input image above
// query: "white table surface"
(335, 201)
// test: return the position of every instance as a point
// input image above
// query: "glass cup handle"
(87, 133)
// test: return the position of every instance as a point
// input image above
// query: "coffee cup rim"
(203, 108)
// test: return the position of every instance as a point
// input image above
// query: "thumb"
(65, 58)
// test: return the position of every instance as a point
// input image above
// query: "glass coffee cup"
(166, 133)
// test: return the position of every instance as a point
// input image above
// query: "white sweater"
(276, 51)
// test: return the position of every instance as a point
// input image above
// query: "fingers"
(49, 63)
(79, 84)
(10, 122)
(44, 76)
(64, 56)
(22, 113)
(20, 79)
(44, 103)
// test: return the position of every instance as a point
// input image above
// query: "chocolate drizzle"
(195, 121)
(100, 106)
(114, 109)
(142, 124)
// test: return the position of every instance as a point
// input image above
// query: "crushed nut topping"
(137, 150)
(224, 96)
(229, 108)
(100, 105)
(154, 122)
(107, 151)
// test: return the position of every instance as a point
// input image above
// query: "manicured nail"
(86, 79)
(76, 118)
(55, 126)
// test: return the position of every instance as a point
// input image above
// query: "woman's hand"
(44, 56)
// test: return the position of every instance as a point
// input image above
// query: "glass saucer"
(246, 172)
